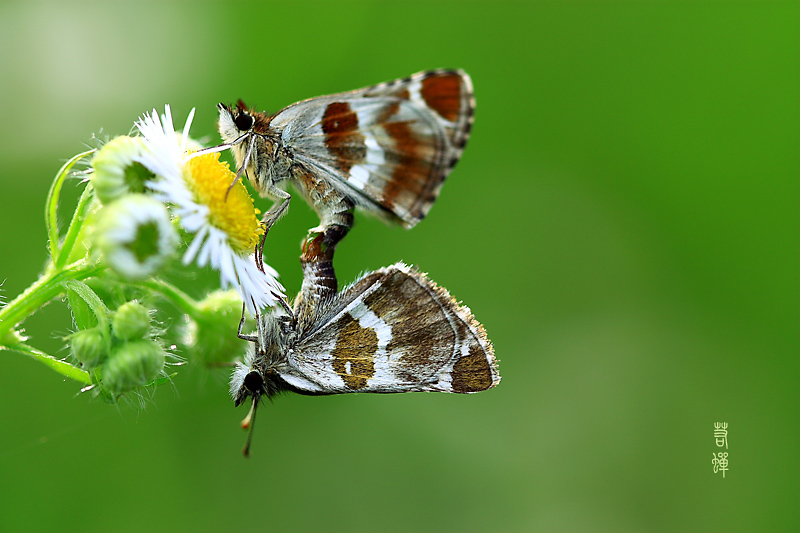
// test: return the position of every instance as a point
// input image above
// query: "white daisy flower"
(135, 236)
(225, 226)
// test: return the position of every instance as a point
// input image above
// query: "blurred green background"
(623, 222)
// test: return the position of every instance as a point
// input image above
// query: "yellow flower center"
(209, 179)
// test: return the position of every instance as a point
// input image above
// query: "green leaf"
(82, 314)
(91, 302)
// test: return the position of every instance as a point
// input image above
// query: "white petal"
(197, 242)
(185, 136)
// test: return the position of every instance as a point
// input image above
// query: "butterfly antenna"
(212, 150)
(249, 422)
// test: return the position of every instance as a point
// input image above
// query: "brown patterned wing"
(395, 330)
(389, 146)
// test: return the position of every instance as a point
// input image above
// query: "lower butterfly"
(393, 330)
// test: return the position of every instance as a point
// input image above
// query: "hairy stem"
(182, 301)
(75, 226)
(43, 290)
(51, 208)
(62, 367)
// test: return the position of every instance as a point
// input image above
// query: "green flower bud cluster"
(133, 364)
(120, 352)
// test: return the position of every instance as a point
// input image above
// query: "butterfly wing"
(389, 146)
(394, 330)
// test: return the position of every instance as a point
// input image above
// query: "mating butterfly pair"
(386, 149)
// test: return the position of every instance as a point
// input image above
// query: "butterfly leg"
(269, 218)
(251, 338)
(246, 161)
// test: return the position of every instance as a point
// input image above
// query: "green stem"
(49, 286)
(182, 301)
(75, 226)
(62, 367)
(51, 208)
(43, 290)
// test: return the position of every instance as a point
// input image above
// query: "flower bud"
(211, 336)
(135, 236)
(89, 347)
(117, 171)
(131, 321)
(132, 364)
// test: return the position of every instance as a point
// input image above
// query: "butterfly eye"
(254, 382)
(243, 121)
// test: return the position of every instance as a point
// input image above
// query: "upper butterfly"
(385, 148)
